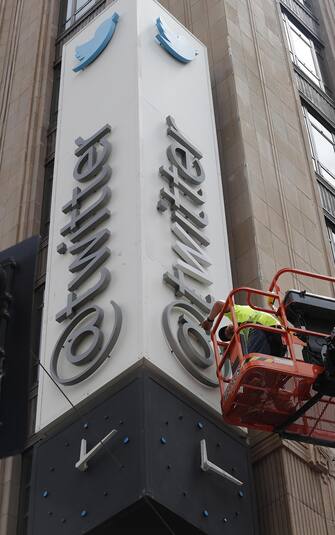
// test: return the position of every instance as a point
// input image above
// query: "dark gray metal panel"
(19, 263)
(68, 501)
(155, 454)
(149, 517)
(209, 502)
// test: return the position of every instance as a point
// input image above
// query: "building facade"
(271, 66)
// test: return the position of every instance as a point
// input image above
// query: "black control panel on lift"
(315, 313)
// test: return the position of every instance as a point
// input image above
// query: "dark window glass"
(36, 335)
(322, 143)
(46, 203)
(72, 10)
(55, 97)
(26, 466)
(32, 407)
(306, 3)
(331, 236)
(303, 51)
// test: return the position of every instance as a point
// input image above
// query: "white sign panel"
(138, 235)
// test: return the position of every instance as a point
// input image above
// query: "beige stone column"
(27, 33)
(9, 494)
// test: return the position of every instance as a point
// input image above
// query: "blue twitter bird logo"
(89, 51)
(174, 44)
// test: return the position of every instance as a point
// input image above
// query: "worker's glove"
(207, 324)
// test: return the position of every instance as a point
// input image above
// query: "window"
(46, 203)
(36, 335)
(331, 236)
(306, 3)
(322, 142)
(72, 10)
(55, 97)
(25, 487)
(303, 52)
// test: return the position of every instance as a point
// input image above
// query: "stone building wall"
(271, 196)
(27, 32)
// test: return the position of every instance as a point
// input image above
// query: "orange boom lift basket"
(292, 395)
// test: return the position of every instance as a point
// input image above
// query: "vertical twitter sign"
(116, 158)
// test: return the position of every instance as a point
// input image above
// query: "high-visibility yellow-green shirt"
(246, 314)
